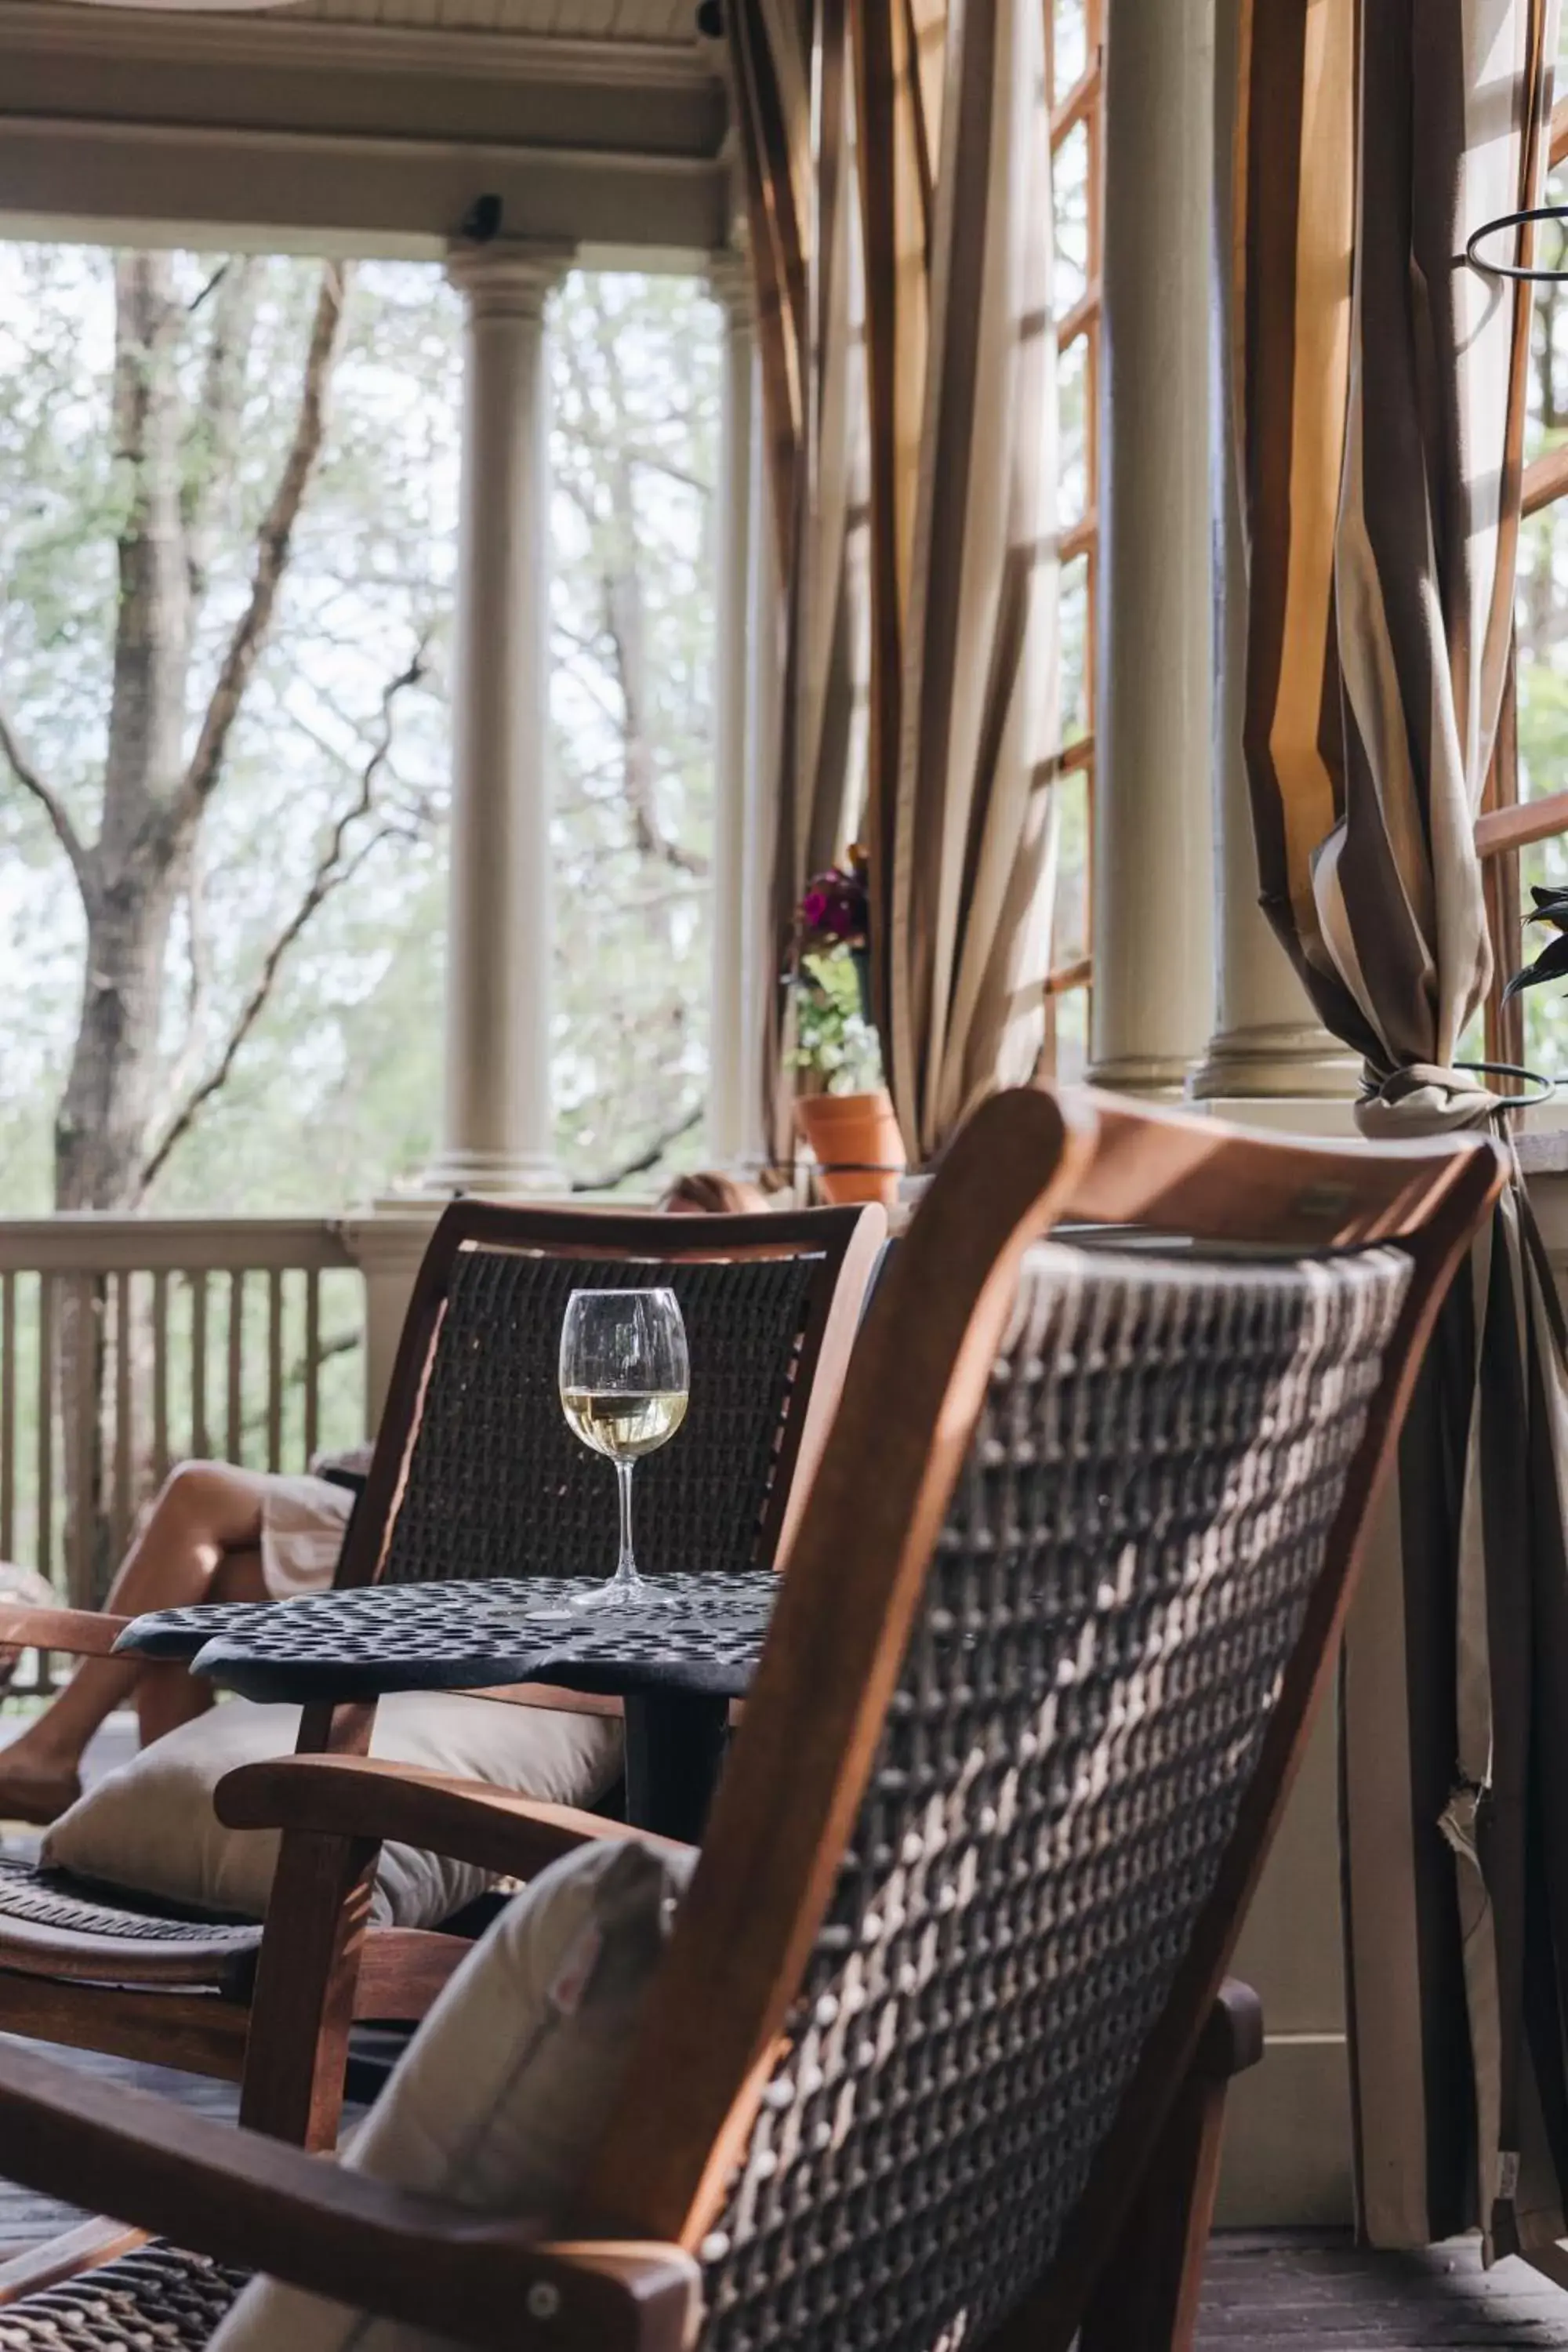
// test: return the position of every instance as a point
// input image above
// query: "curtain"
(954, 159)
(792, 104)
(1382, 388)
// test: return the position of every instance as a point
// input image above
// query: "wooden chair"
(936, 2052)
(473, 1474)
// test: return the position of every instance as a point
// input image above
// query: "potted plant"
(845, 1113)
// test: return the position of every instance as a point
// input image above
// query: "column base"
(1153, 1077)
(1269, 1059)
(496, 1175)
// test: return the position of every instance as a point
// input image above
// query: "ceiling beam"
(263, 131)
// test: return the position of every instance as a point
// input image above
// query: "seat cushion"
(510, 2081)
(150, 1826)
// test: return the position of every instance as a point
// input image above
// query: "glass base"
(616, 1592)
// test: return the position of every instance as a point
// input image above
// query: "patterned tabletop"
(703, 1637)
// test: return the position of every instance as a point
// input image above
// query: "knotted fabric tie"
(1424, 1098)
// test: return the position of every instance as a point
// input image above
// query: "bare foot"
(34, 1793)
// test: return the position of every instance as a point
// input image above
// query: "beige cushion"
(150, 1826)
(510, 2082)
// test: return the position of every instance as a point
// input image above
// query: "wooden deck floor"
(1283, 2293)
(1277, 2292)
(1269, 2292)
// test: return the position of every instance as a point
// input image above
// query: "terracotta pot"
(859, 1151)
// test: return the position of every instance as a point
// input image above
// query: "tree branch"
(209, 286)
(49, 799)
(273, 539)
(332, 870)
(644, 1161)
(215, 430)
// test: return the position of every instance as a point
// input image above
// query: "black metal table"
(676, 1666)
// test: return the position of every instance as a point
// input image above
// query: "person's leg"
(167, 1697)
(204, 1511)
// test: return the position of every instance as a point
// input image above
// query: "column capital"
(507, 278)
(730, 285)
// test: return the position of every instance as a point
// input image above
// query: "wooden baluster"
(124, 1417)
(198, 1283)
(312, 1362)
(275, 1370)
(45, 1422)
(160, 1375)
(44, 1498)
(237, 1366)
(7, 1415)
(81, 1436)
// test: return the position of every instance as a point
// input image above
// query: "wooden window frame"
(1081, 106)
(1507, 826)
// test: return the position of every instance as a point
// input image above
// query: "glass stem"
(626, 1567)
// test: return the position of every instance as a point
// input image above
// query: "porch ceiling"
(365, 125)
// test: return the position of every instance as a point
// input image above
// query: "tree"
(635, 448)
(177, 406)
(331, 1071)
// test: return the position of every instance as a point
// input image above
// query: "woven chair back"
(1066, 1593)
(481, 1476)
(1121, 1577)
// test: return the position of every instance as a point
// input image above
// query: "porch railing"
(128, 1342)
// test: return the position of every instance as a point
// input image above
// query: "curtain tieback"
(1425, 1099)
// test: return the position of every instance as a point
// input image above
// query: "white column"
(498, 1133)
(1154, 990)
(730, 1121)
(1267, 1042)
(764, 708)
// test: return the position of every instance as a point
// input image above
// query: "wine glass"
(625, 1377)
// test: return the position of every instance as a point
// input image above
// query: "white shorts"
(304, 1521)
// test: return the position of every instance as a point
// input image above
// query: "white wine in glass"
(624, 1380)
(624, 1427)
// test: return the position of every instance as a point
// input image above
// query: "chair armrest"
(81, 1633)
(362, 1797)
(258, 2203)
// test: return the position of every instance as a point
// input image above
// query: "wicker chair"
(473, 1474)
(931, 2057)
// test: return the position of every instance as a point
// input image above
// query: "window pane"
(1069, 34)
(1541, 613)
(1070, 193)
(1070, 925)
(1547, 398)
(1075, 619)
(1072, 474)
(1071, 1058)
(1546, 1007)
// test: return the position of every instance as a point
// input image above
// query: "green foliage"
(335, 1093)
(834, 1042)
(635, 451)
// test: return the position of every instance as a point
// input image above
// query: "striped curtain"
(954, 170)
(794, 113)
(1381, 420)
